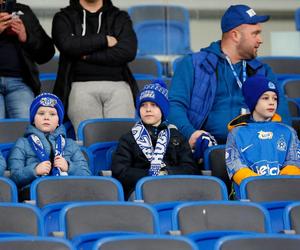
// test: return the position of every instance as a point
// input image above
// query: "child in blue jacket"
(258, 143)
(44, 149)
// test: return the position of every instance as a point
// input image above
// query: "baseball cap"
(237, 15)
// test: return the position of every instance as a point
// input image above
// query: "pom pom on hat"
(254, 87)
(156, 92)
(47, 100)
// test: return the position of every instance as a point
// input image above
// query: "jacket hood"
(243, 120)
(31, 129)
(76, 5)
(215, 48)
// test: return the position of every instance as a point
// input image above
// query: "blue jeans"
(15, 98)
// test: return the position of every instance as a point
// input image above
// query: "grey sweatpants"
(100, 99)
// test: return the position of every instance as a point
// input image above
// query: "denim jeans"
(15, 98)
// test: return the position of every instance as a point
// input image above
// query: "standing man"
(23, 43)
(96, 41)
(205, 93)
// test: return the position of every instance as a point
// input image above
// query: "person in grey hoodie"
(96, 41)
(205, 93)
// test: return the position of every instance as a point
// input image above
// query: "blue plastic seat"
(291, 217)
(51, 194)
(259, 242)
(35, 243)
(274, 193)
(86, 222)
(161, 29)
(206, 222)
(97, 136)
(8, 190)
(145, 242)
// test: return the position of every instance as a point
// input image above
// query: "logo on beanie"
(147, 94)
(251, 13)
(48, 102)
(271, 85)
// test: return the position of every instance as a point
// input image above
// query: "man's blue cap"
(237, 15)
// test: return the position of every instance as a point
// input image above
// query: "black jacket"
(67, 36)
(129, 164)
(38, 48)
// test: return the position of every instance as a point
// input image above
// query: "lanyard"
(235, 74)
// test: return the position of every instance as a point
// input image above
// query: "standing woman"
(96, 40)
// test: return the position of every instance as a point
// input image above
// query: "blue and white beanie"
(156, 92)
(254, 87)
(47, 100)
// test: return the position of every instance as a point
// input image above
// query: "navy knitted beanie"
(47, 100)
(254, 87)
(156, 92)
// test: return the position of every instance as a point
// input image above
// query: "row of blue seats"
(83, 223)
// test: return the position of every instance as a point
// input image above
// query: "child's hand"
(43, 168)
(61, 163)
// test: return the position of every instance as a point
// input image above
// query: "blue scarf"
(154, 156)
(41, 153)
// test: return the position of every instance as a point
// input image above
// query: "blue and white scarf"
(154, 156)
(41, 153)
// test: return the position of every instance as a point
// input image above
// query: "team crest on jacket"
(265, 135)
(281, 144)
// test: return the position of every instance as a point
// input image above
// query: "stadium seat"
(145, 242)
(8, 190)
(161, 29)
(51, 194)
(18, 219)
(87, 222)
(49, 69)
(214, 162)
(297, 19)
(259, 242)
(274, 193)
(180, 188)
(283, 66)
(11, 130)
(146, 67)
(47, 83)
(34, 243)
(291, 217)
(206, 222)
(166, 192)
(99, 135)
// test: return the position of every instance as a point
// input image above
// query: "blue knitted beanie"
(156, 92)
(47, 100)
(254, 87)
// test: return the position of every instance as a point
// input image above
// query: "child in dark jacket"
(44, 149)
(152, 147)
(258, 143)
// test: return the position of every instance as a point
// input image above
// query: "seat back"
(34, 243)
(103, 130)
(291, 217)
(222, 215)
(146, 242)
(291, 88)
(263, 188)
(47, 83)
(180, 188)
(8, 190)
(49, 68)
(214, 160)
(297, 19)
(146, 67)
(259, 242)
(12, 129)
(89, 217)
(49, 190)
(20, 219)
(283, 65)
(161, 29)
